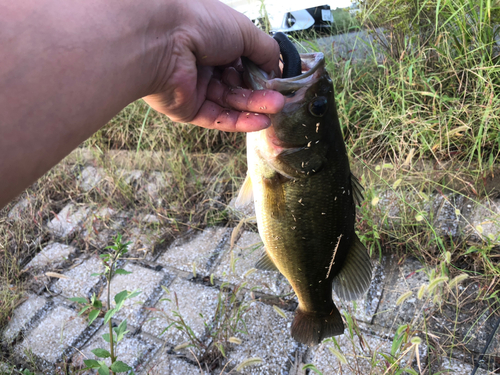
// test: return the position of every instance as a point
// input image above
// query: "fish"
(305, 195)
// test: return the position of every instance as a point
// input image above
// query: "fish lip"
(313, 65)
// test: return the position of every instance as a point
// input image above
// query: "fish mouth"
(313, 68)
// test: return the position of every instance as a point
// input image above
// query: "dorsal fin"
(245, 196)
(355, 276)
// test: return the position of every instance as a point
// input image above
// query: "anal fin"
(355, 276)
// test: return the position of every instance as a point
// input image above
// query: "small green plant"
(228, 320)
(116, 334)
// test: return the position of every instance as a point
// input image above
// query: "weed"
(212, 345)
(116, 334)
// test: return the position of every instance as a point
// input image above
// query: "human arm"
(66, 68)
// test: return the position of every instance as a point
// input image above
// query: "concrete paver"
(157, 182)
(195, 253)
(132, 350)
(408, 277)
(79, 282)
(454, 366)
(90, 178)
(246, 252)
(17, 212)
(268, 338)
(68, 220)
(22, 316)
(359, 355)
(53, 335)
(193, 300)
(143, 279)
(447, 216)
(53, 254)
(143, 241)
(486, 219)
(165, 364)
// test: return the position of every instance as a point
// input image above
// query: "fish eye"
(319, 106)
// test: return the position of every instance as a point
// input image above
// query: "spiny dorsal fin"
(356, 274)
(265, 263)
(357, 190)
(245, 196)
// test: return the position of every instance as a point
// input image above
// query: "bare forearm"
(67, 67)
(65, 70)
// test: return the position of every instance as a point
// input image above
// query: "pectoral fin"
(245, 196)
(265, 263)
(355, 276)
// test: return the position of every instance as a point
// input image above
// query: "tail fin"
(311, 329)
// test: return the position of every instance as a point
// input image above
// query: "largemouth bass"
(304, 195)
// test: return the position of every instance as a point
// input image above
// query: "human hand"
(200, 81)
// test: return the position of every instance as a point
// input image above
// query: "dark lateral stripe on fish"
(292, 65)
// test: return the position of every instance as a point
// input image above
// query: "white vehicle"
(289, 15)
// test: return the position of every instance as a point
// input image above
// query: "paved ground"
(198, 269)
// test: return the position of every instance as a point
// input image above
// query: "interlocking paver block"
(91, 177)
(362, 353)
(143, 241)
(53, 254)
(22, 316)
(68, 220)
(401, 279)
(165, 364)
(79, 282)
(447, 214)
(196, 252)
(486, 219)
(193, 299)
(98, 232)
(143, 279)
(157, 181)
(60, 328)
(16, 212)
(454, 366)
(246, 252)
(268, 339)
(131, 177)
(131, 350)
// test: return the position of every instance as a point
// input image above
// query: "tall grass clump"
(432, 89)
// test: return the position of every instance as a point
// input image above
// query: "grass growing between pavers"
(422, 128)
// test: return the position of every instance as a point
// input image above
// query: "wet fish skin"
(301, 183)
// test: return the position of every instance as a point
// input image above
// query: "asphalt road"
(357, 46)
